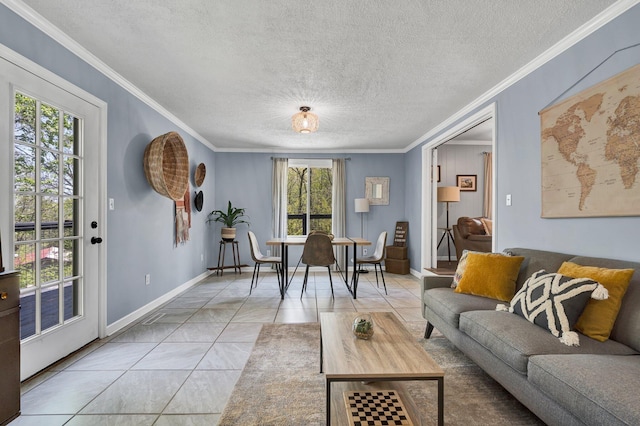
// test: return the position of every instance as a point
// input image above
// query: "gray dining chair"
(318, 251)
(375, 259)
(261, 259)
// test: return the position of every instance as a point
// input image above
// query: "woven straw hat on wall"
(166, 165)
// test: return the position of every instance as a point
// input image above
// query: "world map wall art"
(591, 149)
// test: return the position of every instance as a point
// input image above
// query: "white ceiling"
(379, 74)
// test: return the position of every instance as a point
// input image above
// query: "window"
(309, 189)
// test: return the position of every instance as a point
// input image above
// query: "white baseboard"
(139, 313)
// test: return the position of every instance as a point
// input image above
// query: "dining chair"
(375, 259)
(261, 259)
(317, 251)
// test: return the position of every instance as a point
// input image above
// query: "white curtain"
(338, 207)
(488, 186)
(279, 200)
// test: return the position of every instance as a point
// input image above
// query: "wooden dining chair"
(261, 259)
(375, 259)
(318, 251)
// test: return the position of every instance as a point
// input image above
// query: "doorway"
(54, 197)
(431, 172)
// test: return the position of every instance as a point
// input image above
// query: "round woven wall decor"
(201, 172)
(166, 165)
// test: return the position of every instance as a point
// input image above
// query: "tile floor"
(179, 364)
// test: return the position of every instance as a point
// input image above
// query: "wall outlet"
(112, 204)
(364, 251)
(508, 199)
(268, 252)
(147, 279)
(201, 257)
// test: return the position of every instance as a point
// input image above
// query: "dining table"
(346, 242)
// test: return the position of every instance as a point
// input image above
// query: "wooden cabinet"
(9, 347)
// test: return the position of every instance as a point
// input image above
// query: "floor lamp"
(448, 194)
(362, 206)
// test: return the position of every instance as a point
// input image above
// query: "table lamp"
(448, 194)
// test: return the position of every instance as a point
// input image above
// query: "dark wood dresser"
(9, 347)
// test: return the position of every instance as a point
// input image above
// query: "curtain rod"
(345, 158)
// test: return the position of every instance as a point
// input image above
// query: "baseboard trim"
(144, 310)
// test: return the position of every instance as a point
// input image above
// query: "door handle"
(96, 240)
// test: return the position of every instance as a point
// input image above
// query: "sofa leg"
(427, 332)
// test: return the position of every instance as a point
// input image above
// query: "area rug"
(281, 384)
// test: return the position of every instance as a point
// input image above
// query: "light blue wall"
(245, 179)
(140, 229)
(518, 151)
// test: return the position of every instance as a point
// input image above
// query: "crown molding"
(39, 22)
(578, 35)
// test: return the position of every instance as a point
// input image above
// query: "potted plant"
(230, 218)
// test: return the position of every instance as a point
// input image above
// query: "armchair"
(470, 234)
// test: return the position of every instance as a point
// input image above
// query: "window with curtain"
(309, 196)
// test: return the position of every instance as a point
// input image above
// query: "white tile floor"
(179, 364)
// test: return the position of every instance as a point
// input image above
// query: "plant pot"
(228, 234)
(363, 326)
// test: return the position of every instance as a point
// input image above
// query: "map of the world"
(591, 149)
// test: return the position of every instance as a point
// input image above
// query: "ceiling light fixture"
(305, 121)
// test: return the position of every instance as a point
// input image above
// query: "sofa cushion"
(513, 339)
(448, 305)
(490, 275)
(554, 302)
(597, 389)
(598, 317)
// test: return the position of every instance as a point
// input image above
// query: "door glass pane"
(68, 184)
(69, 258)
(25, 263)
(49, 130)
(25, 217)
(25, 168)
(49, 172)
(50, 307)
(49, 262)
(49, 211)
(72, 296)
(25, 119)
(68, 134)
(69, 213)
(27, 313)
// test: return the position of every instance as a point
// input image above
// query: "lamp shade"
(448, 193)
(362, 205)
(305, 121)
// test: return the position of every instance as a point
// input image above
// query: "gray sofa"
(596, 383)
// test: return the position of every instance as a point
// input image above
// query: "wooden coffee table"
(392, 354)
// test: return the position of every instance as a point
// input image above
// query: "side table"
(236, 256)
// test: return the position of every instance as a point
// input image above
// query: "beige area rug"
(281, 384)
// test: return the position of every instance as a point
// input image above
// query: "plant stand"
(236, 257)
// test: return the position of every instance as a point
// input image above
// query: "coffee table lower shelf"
(337, 411)
(339, 414)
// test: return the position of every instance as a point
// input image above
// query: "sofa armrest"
(430, 282)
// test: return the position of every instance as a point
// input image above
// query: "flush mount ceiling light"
(305, 121)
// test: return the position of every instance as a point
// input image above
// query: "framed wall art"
(467, 182)
(377, 190)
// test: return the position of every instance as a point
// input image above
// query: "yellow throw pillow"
(598, 317)
(491, 275)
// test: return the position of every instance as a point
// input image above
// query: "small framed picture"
(467, 182)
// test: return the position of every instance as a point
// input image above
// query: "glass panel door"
(47, 212)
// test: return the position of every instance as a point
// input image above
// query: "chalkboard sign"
(400, 236)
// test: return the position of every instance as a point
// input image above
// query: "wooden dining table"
(346, 242)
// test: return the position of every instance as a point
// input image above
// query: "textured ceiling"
(379, 74)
